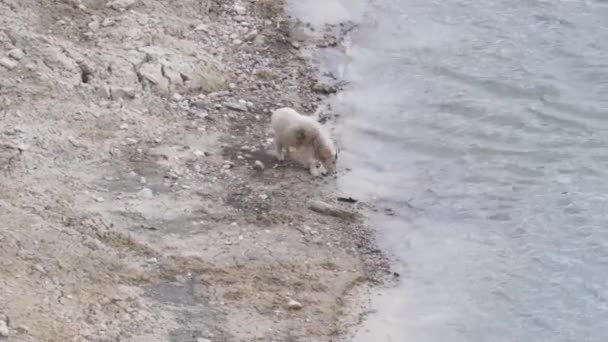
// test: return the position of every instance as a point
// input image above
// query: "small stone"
(39, 268)
(294, 305)
(201, 27)
(263, 197)
(234, 36)
(107, 22)
(131, 141)
(267, 22)
(202, 115)
(16, 54)
(8, 63)
(74, 142)
(122, 93)
(251, 35)
(99, 199)
(232, 86)
(238, 106)
(326, 209)
(121, 5)
(296, 45)
(200, 153)
(3, 326)
(145, 193)
(22, 329)
(94, 25)
(226, 166)
(237, 42)
(240, 10)
(200, 339)
(124, 126)
(177, 97)
(258, 165)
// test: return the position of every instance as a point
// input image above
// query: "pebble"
(200, 339)
(237, 42)
(326, 209)
(94, 25)
(8, 63)
(251, 35)
(263, 197)
(22, 329)
(240, 10)
(238, 106)
(16, 54)
(124, 126)
(39, 268)
(258, 165)
(145, 193)
(294, 305)
(200, 153)
(107, 22)
(3, 326)
(121, 5)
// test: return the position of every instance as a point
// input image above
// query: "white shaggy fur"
(291, 129)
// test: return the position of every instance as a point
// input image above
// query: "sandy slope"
(129, 208)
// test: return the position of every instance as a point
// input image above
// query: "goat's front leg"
(280, 151)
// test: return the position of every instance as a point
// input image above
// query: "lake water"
(484, 126)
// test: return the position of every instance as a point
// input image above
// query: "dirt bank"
(130, 207)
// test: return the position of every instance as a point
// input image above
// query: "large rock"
(151, 74)
(183, 73)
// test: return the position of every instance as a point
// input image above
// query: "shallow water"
(484, 126)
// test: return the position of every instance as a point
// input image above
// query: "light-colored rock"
(16, 54)
(258, 165)
(8, 63)
(94, 25)
(251, 35)
(201, 27)
(3, 326)
(145, 193)
(327, 209)
(200, 153)
(240, 10)
(294, 305)
(153, 73)
(121, 5)
(237, 42)
(241, 107)
(124, 93)
(200, 339)
(107, 22)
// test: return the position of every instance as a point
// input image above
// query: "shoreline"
(131, 206)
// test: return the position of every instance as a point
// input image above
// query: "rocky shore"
(139, 197)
